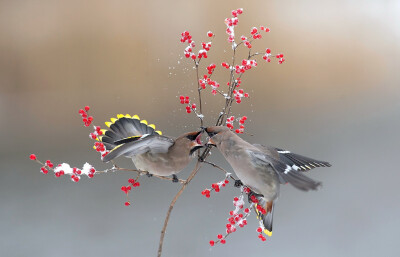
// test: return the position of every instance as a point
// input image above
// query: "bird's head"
(192, 140)
(215, 134)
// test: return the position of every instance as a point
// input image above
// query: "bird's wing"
(138, 145)
(285, 172)
(296, 161)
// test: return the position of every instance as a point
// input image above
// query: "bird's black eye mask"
(194, 137)
(211, 134)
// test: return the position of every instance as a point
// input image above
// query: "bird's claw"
(238, 183)
(175, 178)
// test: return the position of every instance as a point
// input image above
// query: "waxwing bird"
(150, 151)
(263, 169)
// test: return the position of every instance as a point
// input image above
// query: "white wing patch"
(288, 169)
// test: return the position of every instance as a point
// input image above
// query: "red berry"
(220, 236)
(44, 170)
(268, 51)
(223, 241)
(267, 30)
(212, 242)
(131, 181)
(193, 106)
(90, 175)
(259, 229)
(210, 34)
(127, 204)
(32, 157)
(87, 108)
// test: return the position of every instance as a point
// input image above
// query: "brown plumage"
(149, 150)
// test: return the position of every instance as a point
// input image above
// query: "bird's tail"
(265, 212)
(126, 128)
(300, 181)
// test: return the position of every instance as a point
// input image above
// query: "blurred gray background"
(336, 98)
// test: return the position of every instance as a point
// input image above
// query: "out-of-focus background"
(336, 98)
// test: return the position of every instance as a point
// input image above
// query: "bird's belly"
(158, 164)
(262, 180)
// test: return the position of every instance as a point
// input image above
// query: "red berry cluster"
(260, 235)
(280, 57)
(238, 94)
(211, 68)
(231, 119)
(185, 100)
(246, 65)
(97, 132)
(87, 120)
(267, 55)
(237, 218)
(127, 189)
(188, 52)
(99, 147)
(231, 23)
(65, 169)
(216, 186)
(208, 81)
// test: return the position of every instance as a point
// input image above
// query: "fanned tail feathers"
(125, 129)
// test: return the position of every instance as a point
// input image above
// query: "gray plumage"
(263, 168)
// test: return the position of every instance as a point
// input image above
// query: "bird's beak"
(211, 142)
(196, 144)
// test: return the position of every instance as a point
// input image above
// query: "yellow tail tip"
(119, 116)
(159, 132)
(143, 121)
(113, 120)
(128, 116)
(135, 117)
(152, 126)
(267, 232)
(108, 124)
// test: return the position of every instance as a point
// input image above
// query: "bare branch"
(171, 206)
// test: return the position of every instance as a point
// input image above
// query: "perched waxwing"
(150, 151)
(263, 169)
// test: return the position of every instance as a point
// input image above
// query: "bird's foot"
(238, 183)
(175, 178)
(149, 174)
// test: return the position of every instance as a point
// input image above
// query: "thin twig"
(218, 167)
(171, 206)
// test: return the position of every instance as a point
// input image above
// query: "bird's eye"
(211, 134)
